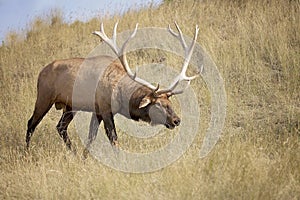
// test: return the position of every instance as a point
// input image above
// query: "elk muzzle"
(173, 122)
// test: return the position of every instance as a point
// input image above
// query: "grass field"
(256, 47)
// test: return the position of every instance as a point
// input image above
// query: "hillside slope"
(256, 47)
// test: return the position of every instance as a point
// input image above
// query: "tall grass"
(256, 46)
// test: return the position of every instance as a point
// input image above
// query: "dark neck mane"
(135, 112)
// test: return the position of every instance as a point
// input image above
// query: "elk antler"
(122, 54)
(187, 56)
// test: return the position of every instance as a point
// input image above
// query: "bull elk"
(144, 102)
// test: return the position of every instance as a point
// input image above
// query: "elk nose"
(176, 121)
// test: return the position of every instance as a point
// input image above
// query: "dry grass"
(256, 46)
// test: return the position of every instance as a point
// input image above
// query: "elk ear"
(145, 102)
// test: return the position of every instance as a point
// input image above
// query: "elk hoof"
(115, 143)
(85, 154)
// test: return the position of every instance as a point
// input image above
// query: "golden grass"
(256, 46)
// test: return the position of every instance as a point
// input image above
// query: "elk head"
(155, 109)
(150, 103)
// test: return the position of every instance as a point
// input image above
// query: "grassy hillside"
(256, 46)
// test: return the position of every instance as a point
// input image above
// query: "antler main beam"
(120, 52)
(188, 51)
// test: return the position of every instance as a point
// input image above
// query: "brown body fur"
(99, 85)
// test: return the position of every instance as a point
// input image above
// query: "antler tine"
(122, 55)
(180, 91)
(108, 41)
(121, 52)
(114, 37)
(188, 54)
(178, 35)
(130, 37)
(172, 32)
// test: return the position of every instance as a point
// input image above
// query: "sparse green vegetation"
(256, 46)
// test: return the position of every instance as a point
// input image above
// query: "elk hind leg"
(63, 124)
(40, 110)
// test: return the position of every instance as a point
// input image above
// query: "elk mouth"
(170, 126)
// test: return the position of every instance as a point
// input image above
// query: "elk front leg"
(94, 125)
(110, 129)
